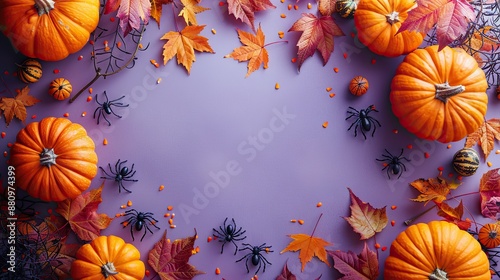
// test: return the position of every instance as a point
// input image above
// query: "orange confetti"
(3, 134)
(377, 246)
(66, 115)
(166, 215)
(328, 89)
(90, 90)
(301, 222)
(410, 146)
(319, 204)
(277, 86)
(449, 146)
(170, 208)
(89, 98)
(214, 31)
(294, 60)
(170, 221)
(336, 70)
(123, 206)
(173, 226)
(217, 271)
(283, 16)
(295, 7)
(426, 155)
(325, 124)
(293, 220)
(105, 141)
(161, 187)
(209, 239)
(289, 6)
(393, 223)
(332, 95)
(129, 203)
(309, 5)
(489, 163)
(394, 207)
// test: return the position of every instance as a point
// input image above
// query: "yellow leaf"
(191, 8)
(432, 189)
(485, 136)
(183, 44)
(253, 50)
(156, 9)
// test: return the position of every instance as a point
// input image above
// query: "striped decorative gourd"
(346, 8)
(466, 162)
(60, 88)
(30, 71)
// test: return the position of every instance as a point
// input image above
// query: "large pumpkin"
(436, 250)
(378, 23)
(54, 159)
(439, 95)
(48, 29)
(108, 257)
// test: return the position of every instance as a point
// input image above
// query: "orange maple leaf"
(253, 50)
(454, 215)
(81, 214)
(183, 44)
(326, 7)
(485, 136)
(157, 8)
(191, 8)
(365, 219)
(309, 247)
(16, 107)
(432, 189)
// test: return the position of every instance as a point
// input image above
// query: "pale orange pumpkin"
(378, 23)
(108, 257)
(54, 159)
(60, 88)
(489, 235)
(436, 250)
(439, 95)
(49, 29)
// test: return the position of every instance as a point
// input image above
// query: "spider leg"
(96, 100)
(235, 245)
(371, 120)
(112, 101)
(145, 228)
(352, 115)
(388, 175)
(260, 264)
(95, 111)
(353, 123)
(106, 96)
(113, 112)
(132, 232)
(362, 131)
(106, 119)
(121, 186)
(222, 249)
(243, 256)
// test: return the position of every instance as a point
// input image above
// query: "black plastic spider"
(105, 108)
(228, 233)
(363, 120)
(119, 174)
(394, 163)
(255, 256)
(139, 221)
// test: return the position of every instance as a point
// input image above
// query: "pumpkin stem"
(438, 274)
(392, 18)
(44, 6)
(47, 157)
(444, 90)
(108, 269)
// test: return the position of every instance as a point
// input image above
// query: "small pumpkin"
(49, 29)
(60, 88)
(466, 162)
(54, 159)
(439, 95)
(346, 8)
(489, 235)
(436, 250)
(30, 71)
(378, 23)
(108, 257)
(358, 86)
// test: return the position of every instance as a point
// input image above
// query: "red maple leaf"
(352, 266)
(130, 12)
(317, 34)
(170, 259)
(489, 191)
(81, 213)
(451, 18)
(244, 9)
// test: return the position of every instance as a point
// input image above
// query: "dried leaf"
(286, 274)
(60, 259)
(485, 136)
(244, 9)
(451, 18)
(191, 8)
(16, 107)
(81, 213)
(183, 44)
(454, 215)
(309, 246)
(130, 12)
(157, 8)
(356, 267)
(170, 259)
(365, 219)
(326, 7)
(253, 50)
(53, 227)
(432, 189)
(317, 34)
(489, 191)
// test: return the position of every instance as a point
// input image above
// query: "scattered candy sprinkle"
(283, 16)
(309, 5)
(89, 98)
(123, 206)
(90, 90)
(374, 61)
(426, 155)
(301, 222)
(3, 134)
(166, 215)
(214, 31)
(440, 168)
(277, 86)
(395, 131)
(161, 187)
(295, 7)
(394, 207)
(170, 221)
(325, 124)
(221, 3)
(294, 60)
(80, 57)
(118, 44)
(66, 115)
(410, 146)
(489, 163)
(209, 238)
(129, 203)
(497, 152)
(289, 7)
(105, 141)
(173, 226)
(377, 246)
(459, 177)
(170, 208)
(217, 271)
(56, 71)
(33, 117)
(328, 89)
(112, 19)
(158, 81)
(336, 70)
(332, 95)
(147, 273)
(384, 248)
(5, 153)
(345, 55)
(449, 146)
(281, 34)
(282, 1)
(393, 223)
(84, 114)
(319, 204)
(293, 221)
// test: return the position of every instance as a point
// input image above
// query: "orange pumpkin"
(358, 85)
(436, 250)
(489, 235)
(60, 88)
(54, 159)
(378, 23)
(108, 257)
(49, 29)
(439, 95)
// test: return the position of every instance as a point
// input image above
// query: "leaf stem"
(276, 42)
(412, 219)
(316, 225)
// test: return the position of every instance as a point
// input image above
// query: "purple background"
(182, 130)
